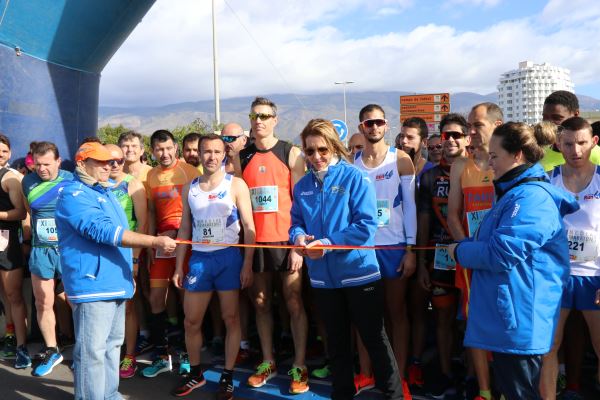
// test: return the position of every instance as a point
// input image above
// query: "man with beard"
(471, 196)
(190, 151)
(412, 137)
(165, 208)
(435, 270)
(392, 173)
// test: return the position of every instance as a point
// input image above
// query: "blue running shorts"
(216, 270)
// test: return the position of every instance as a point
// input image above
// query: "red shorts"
(162, 270)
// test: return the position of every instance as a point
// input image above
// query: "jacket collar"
(517, 176)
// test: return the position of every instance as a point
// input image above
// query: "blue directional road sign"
(341, 128)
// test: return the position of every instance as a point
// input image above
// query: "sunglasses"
(230, 139)
(453, 134)
(433, 147)
(369, 123)
(323, 151)
(114, 163)
(263, 117)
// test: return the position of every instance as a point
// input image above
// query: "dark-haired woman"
(520, 259)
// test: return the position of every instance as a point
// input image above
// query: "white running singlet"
(215, 218)
(390, 215)
(583, 226)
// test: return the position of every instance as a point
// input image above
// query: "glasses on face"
(114, 163)
(453, 134)
(230, 139)
(369, 123)
(433, 147)
(323, 151)
(263, 117)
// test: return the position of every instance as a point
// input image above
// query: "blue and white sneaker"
(184, 363)
(159, 366)
(23, 360)
(143, 345)
(50, 359)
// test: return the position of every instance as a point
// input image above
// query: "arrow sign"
(435, 98)
(341, 128)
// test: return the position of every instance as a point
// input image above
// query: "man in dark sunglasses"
(235, 140)
(434, 148)
(271, 168)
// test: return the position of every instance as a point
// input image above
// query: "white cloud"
(168, 58)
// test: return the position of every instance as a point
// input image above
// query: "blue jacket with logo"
(520, 262)
(90, 225)
(341, 209)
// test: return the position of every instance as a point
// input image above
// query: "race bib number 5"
(265, 199)
(383, 213)
(584, 245)
(45, 228)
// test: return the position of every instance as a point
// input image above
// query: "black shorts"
(12, 257)
(270, 260)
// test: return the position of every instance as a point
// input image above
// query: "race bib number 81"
(209, 230)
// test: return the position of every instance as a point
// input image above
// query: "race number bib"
(209, 230)
(383, 213)
(45, 230)
(583, 245)
(265, 198)
(442, 259)
(474, 219)
(4, 234)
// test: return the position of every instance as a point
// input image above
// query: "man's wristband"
(409, 247)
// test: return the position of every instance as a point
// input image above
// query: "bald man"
(356, 143)
(131, 194)
(235, 140)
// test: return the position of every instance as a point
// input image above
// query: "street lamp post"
(216, 66)
(344, 83)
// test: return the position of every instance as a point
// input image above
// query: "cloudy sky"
(303, 46)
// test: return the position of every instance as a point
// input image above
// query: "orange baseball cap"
(93, 150)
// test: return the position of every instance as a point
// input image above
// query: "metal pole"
(216, 65)
(344, 83)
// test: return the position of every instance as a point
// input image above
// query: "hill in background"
(293, 110)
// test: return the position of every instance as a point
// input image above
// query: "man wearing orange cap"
(94, 245)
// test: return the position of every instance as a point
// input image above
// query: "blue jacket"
(90, 225)
(342, 210)
(520, 262)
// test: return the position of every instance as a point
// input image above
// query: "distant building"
(521, 92)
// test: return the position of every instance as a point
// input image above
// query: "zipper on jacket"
(323, 227)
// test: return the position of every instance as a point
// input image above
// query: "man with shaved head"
(131, 195)
(235, 140)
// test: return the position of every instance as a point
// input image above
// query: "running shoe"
(299, 383)
(128, 367)
(225, 389)
(184, 363)
(242, 357)
(49, 360)
(188, 384)
(9, 348)
(322, 372)
(441, 388)
(415, 375)
(143, 345)
(362, 382)
(159, 366)
(265, 371)
(571, 395)
(22, 359)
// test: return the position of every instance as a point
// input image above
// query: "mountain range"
(293, 110)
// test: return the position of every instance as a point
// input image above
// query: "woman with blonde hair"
(334, 204)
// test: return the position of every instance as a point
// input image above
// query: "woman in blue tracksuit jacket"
(335, 204)
(520, 261)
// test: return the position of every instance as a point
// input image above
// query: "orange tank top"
(164, 186)
(269, 179)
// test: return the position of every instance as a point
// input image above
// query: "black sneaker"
(225, 389)
(188, 384)
(442, 387)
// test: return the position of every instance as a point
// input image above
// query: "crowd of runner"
(492, 225)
